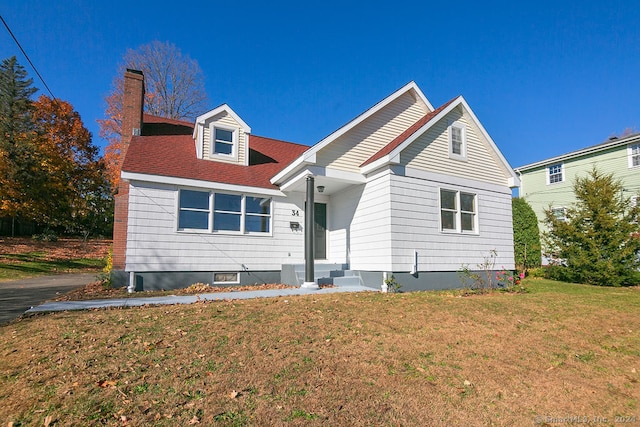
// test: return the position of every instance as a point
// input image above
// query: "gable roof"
(175, 156)
(397, 141)
(610, 143)
(309, 155)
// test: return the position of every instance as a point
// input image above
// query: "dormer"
(222, 136)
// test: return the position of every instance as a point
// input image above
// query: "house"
(548, 184)
(404, 189)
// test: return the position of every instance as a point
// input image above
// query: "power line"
(27, 56)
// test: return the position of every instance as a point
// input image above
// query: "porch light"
(320, 188)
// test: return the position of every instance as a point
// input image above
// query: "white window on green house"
(634, 155)
(555, 173)
(559, 213)
(458, 211)
(194, 210)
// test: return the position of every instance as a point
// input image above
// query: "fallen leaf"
(47, 420)
(106, 383)
(194, 420)
(234, 394)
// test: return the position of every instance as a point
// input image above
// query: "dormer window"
(225, 141)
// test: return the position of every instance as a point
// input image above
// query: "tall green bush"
(598, 241)
(526, 235)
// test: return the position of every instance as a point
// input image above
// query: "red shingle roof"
(397, 141)
(175, 156)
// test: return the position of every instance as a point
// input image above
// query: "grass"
(22, 258)
(423, 358)
(21, 266)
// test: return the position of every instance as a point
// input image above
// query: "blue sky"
(544, 77)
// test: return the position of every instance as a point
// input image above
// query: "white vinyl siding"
(226, 122)
(416, 226)
(397, 216)
(154, 245)
(355, 147)
(431, 152)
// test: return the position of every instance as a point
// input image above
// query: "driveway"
(18, 296)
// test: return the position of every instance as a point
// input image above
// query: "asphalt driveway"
(18, 296)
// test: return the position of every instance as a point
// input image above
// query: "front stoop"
(324, 274)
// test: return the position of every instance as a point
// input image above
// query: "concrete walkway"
(190, 299)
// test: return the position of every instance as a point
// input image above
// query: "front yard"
(424, 358)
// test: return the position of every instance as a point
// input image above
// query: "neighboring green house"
(549, 183)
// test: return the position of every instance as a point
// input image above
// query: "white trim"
(458, 212)
(564, 212)
(630, 154)
(513, 179)
(593, 149)
(187, 182)
(234, 142)
(307, 155)
(463, 143)
(231, 282)
(222, 108)
(548, 173)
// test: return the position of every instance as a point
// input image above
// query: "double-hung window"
(634, 155)
(458, 211)
(457, 141)
(227, 212)
(224, 141)
(555, 174)
(194, 210)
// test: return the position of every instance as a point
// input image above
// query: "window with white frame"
(225, 278)
(224, 141)
(193, 210)
(457, 141)
(555, 173)
(229, 213)
(559, 213)
(634, 155)
(458, 211)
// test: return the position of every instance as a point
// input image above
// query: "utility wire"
(27, 56)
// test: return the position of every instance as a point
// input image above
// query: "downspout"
(309, 237)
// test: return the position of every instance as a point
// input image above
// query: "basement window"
(226, 278)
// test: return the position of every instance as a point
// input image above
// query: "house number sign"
(295, 212)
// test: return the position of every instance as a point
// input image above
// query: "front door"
(320, 230)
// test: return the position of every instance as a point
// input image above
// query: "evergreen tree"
(598, 241)
(19, 160)
(526, 235)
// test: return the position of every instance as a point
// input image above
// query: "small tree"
(526, 235)
(598, 241)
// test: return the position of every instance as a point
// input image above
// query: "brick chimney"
(132, 109)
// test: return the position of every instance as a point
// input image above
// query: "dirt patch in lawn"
(424, 358)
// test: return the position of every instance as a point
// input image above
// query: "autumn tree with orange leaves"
(50, 172)
(174, 88)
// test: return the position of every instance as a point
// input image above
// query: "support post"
(309, 237)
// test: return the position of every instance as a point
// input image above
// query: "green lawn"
(558, 352)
